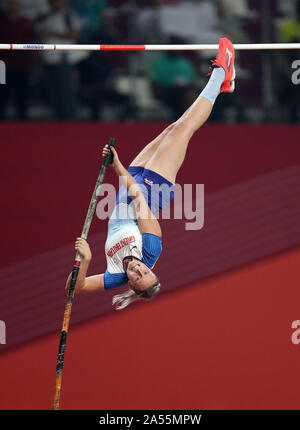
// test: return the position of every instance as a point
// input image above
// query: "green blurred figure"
(172, 78)
(90, 12)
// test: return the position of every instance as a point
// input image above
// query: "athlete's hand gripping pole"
(70, 294)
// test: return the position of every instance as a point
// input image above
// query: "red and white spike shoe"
(225, 59)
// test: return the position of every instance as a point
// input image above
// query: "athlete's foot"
(225, 59)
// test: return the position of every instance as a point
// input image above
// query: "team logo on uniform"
(125, 241)
(148, 181)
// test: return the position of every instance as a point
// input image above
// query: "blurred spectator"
(97, 75)
(289, 30)
(148, 22)
(61, 26)
(15, 29)
(288, 92)
(236, 8)
(196, 21)
(233, 16)
(90, 11)
(173, 80)
(287, 7)
(31, 9)
(34, 9)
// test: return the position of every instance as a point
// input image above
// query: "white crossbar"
(194, 47)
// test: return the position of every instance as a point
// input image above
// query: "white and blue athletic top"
(124, 239)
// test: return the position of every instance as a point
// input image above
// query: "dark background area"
(149, 86)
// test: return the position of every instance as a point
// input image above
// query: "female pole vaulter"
(134, 240)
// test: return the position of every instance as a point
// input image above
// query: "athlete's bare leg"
(144, 156)
(170, 154)
(166, 153)
(148, 151)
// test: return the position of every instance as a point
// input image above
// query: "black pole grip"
(108, 159)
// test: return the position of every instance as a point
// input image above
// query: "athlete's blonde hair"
(120, 301)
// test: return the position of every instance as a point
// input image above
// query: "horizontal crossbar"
(194, 47)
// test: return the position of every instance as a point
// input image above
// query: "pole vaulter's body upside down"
(157, 163)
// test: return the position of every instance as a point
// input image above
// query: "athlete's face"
(139, 275)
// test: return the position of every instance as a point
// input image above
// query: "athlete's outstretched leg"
(144, 156)
(170, 153)
(149, 150)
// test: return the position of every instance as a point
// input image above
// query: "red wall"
(224, 342)
(48, 172)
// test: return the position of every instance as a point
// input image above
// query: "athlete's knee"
(181, 126)
(171, 127)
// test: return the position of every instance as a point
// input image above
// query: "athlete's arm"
(88, 284)
(146, 219)
(84, 283)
